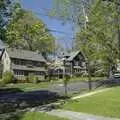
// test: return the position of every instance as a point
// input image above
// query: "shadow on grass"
(14, 100)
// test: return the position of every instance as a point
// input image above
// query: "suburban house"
(73, 64)
(22, 63)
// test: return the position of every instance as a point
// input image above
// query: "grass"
(33, 86)
(105, 104)
(39, 116)
(29, 86)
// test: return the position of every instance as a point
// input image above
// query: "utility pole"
(87, 62)
(85, 15)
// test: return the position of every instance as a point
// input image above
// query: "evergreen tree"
(5, 14)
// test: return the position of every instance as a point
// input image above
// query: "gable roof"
(24, 54)
(74, 54)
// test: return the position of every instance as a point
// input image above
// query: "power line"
(53, 30)
(60, 32)
(57, 31)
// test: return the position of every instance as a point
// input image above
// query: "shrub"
(8, 77)
(1, 83)
(32, 78)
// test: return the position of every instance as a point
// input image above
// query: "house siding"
(73, 64)
(6, 62)
(21, 68)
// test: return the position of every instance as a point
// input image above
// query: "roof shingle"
(25, 54)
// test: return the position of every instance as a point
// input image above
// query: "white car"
(117, 75)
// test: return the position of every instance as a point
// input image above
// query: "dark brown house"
(73, 64)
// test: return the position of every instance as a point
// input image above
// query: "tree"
(4, 15)
(26, 31)
(75, 11)
(99, 35)
(72, 10)
(99, 41)
(66, 79)
(8, 77)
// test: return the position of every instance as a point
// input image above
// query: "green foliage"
(99, 35)
(8, 77)
(4, 13)
(32, 78)
(99, 41)
(7, 8)
(28, 32)
(69, 10)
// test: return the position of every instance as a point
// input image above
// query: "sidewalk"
(77, 115)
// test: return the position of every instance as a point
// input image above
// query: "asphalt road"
(16, 98)
(72, 87)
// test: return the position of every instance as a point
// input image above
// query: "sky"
(40, 8)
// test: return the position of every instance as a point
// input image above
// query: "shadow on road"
(13, 100)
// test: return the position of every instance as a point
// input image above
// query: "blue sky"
(39, 7)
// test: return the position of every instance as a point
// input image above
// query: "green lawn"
(28, 86)
(33, 86)
(105, 104)
(39, 116)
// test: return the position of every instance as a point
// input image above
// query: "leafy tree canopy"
(26, 31)
(71, 10)
(5, 14)
(99, 40)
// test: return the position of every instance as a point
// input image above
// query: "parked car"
(116, 75)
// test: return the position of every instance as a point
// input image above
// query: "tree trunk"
(66, 89)
(89, 77)
(110, 72)
(90, 82)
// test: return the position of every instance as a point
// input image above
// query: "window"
(22, 62)
(16, 61)
(29, 64)
(40, 73)
(39, 64)
(19, 72)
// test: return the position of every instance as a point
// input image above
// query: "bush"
(1, 83)
(8, 77)
(32, 78)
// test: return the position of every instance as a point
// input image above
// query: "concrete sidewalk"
(77, 115)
